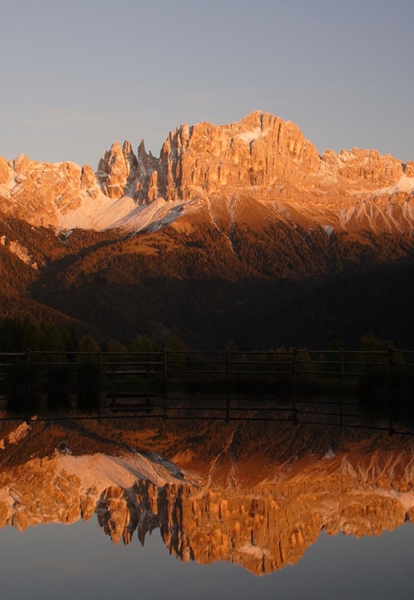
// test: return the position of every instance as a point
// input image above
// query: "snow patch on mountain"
(151, 216)
(102, 471)
(329, 230)
(97, 213)
(254, 134)
(404, 185)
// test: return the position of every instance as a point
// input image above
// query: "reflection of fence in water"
(335, 412)
(136, 383)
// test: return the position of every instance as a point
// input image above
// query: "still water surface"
(225, 503)
(78, 561)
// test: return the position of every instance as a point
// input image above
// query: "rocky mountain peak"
(21, 163)
(127, 149)
(114, 169)
(120, 170)
(251, 155)
(260, 158)
(5, 172)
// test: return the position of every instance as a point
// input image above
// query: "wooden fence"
(298, 365)
(342, 364)
(175, 385)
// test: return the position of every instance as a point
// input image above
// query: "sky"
(76, 76)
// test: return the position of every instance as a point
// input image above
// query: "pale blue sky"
(75, 76)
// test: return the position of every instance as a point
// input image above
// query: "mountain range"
(238, 231)
(215, 491)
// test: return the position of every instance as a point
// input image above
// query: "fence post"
(390, 398)
(295, 418)
(228, 370)
(342, 370)
(294, 356)
(390, 425)
(341, 360)
(390, 360)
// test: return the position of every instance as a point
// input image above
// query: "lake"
(225, 510)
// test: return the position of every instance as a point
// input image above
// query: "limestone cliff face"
(254, 155)
(4, 171)
(39, 192)
(269, 160)
(258, 166)
(257, 512)
(64, 488)
(45, 494)
(117, 170)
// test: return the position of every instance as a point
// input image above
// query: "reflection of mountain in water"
(254, 495)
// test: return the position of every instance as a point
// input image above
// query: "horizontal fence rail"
(141, 384)
(341, 364)
(297, 411)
